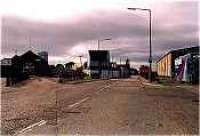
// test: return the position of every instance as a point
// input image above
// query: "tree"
(69, 65)
(60, 69)
(85, 65)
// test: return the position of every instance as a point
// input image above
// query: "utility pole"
(150, 37)
(81, 60)
(30, 43)
(150, 50)
(120, 67)
(56, 112)
(15, 51)
(112, 66)
(98, 44)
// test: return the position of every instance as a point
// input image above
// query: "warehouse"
(19, 68)
(99, 66)
(99, 63)
(166, 64)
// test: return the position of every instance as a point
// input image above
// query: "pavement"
(103, 107)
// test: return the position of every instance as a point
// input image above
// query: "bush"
(87, 77)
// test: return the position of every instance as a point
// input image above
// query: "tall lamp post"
(98, 42)
(150, 48)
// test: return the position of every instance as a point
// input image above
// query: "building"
(70, 66)
(28, 62)
(166, 64)
(115, 70)
(99, 66)
(5, 66)
(99, 63)
(144, 71)
(187, 68)
(18, 68)
(34, 64)
(133, 71)
(122, 69)
(44, 55)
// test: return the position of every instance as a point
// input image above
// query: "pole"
(150, 48)
(15, 51)
(98, 42)
(56, 113)
(150, 37)
(112, 66)
(30, 43)
(120, 72)
(81, 61)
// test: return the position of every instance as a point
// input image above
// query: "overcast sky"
(67, 29)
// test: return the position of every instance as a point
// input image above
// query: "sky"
(69, 28)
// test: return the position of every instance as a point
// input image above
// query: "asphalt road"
(125, 106)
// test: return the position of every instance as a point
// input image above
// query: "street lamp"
(98, 41)
(150, 48)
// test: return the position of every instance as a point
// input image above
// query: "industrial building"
(166, 64)
(19, 67)
(99, 66)
(44, 55)
(99, 63)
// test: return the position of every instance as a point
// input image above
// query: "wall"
(164, 66)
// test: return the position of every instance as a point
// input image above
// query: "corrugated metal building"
(28, 62)
(99, 63)
(166, 64)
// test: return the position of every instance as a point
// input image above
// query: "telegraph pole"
(15, 51)
(80, 60)
(56, 112)
(30, 44)
(112, 66)
(98, 44)
(150, 48)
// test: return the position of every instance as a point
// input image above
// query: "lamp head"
(108, 39)
(132, 8)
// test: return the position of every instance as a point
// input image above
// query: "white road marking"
(83, 100)
(100, 90)
(114, 79)
(42, 122)
(125, 80)
(29, 128)
(77, 103)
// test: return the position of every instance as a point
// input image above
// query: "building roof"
(181, 51)
(30, 56)
(98, 50)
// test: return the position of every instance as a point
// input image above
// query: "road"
(125, 106)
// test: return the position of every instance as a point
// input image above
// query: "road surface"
(125, 106)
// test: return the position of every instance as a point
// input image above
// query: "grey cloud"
(175, 25)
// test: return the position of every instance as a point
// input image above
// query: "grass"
(87, 77)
